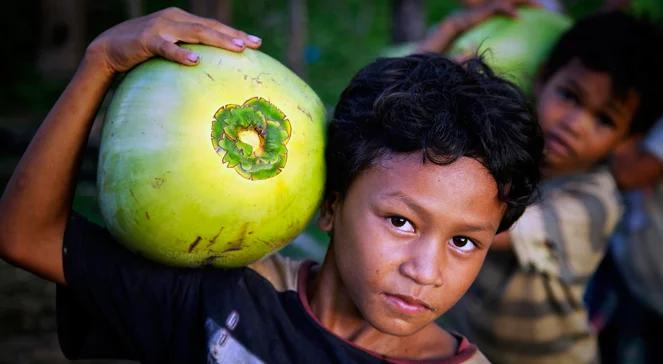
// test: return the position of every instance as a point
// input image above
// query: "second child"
(600, 84)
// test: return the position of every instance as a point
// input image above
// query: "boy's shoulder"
(466, 353)
(476, 358)
(282, 272)
(597, 180)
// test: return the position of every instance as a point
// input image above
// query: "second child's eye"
(568, 95)
(463, 243)
(607, 121)
(401, 224)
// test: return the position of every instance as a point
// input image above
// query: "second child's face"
(582, 120)
(409, 238)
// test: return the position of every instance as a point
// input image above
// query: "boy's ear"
(327, 210)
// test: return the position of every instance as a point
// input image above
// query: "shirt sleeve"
(566, 233)
(119, 305)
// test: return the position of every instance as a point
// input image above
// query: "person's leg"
(652, 334)
(630, 333)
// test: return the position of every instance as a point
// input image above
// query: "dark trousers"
(629, 331)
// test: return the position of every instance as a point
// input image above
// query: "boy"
(599, 84)
(427, 160)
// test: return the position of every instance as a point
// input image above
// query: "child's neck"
(549, 173)
(337, 313)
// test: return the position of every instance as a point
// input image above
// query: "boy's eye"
(401, 223)
(568, 95)
(606, 120)
(463, 243)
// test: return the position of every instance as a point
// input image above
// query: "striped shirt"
(526, 304)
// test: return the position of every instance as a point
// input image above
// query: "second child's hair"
(627, 49)
(429, 104)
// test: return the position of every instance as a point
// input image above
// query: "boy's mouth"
(557, 145)
(407, 304)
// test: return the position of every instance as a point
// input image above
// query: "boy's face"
(410, 237)
(582, 120)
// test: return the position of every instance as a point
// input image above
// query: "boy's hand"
(459, 22)
(465, 20)
(132, 42)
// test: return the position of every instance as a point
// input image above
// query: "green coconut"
(514, 47)
(217, 164)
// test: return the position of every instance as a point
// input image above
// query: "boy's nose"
(576, 122)
(425, 262)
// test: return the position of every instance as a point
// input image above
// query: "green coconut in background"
(514, 47)
(217, 164)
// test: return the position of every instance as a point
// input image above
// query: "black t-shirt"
(120, 305)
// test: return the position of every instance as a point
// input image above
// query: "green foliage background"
(342, 36)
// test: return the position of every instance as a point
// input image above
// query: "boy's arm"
(634, 166)
(454, 25)
(36, 203)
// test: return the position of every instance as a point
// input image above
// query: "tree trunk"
(62, 40)
(220, 10)
(298, 35)
(407, 21)
(135, 8)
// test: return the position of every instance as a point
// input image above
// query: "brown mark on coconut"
(237, 244)
(210, 260)
(242, 233)
(232, 248)
(308, 114)
(147, 215)
(157, 182)
(133, 194)
(276, 243)
(257, 78)
(212, 241)
(269, 244)
(209, 76)
(194, 243)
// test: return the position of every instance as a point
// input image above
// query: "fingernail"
(254, 39)
(238, 42)
(192, 57)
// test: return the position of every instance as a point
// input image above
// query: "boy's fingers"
(533, 3)
(198, 33)
(507, 9)
(179, 15)
(173, 52)
(511, 11)
(250, 40)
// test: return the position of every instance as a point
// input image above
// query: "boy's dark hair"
(446, 110)
(626, 48)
